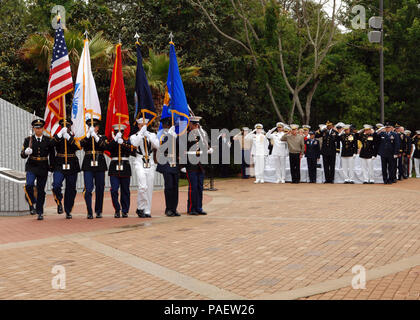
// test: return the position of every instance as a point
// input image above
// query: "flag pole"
(173, 140)
(91, 112)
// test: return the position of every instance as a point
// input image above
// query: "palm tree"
(37, 49)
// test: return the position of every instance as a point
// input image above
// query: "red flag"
(117, 105)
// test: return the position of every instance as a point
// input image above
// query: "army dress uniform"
(94, 168)
(66, 167)
(120, 171)
(312, 154)
(388, 149)
(416, 154)
(146, 144)
(197, 150)
(39, 151)
(368, 153)
(168, 165)
(330, 147)
(348, 153)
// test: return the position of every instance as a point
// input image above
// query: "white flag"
(85, 100)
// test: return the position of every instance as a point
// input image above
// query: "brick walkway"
(258, 242)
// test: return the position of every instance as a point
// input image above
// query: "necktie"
(39, 139)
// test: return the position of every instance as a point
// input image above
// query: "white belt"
(122, 158)
(194, 152)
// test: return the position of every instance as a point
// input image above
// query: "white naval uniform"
(145, 176)
(279, 154)
(259, 151)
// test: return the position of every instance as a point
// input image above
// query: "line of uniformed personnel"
(392, 143)
(58, 155)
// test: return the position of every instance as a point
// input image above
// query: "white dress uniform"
(145, 174)
(259, 151)
(279, 154)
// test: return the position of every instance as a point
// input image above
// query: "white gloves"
(395, 156)
(91, 132)
(210, 151)
(120, 140)
(354, 156)
(183, 170)
(66, 136)
(373, 158)
(117, 136)
(28, 151)
(62, 131)
(143, 130)
(96, 137)
(272, 130)
(172, 131)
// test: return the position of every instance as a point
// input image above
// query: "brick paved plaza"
(257, 242)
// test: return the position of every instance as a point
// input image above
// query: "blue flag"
(143, 94)
(175, 99)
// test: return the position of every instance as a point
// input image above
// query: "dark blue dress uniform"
(69, 174)
(94, 173)
(312, 154)
(330, 147)
(170, 170)
(120, 178)
(195, 173)
(37, 167)
(402, 155)
(389, 146)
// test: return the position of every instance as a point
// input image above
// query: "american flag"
(59, 83)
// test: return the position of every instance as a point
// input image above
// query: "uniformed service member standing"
(416, 154)
(348, 153)
(368, 152)
(296, 147)
(312, 154)
(40, 153)
(146, 144)
(94, 167)
(168, 166)
(120, 170)
(280, 151)
(66, 167)
(388, 150)
(245, 151)
(330, 147)
(197, 149)
(259, 150)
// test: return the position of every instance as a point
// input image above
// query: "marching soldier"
(368, 152)
(145, 165)
(388, 150)
(168, 166)
(330, 147)
(39, 150)
(280, 151)
(259, 151)
(348, 153)
(197, 147)
(312, 154)
(296, 146)
(120, 170)
(245, 150)
(416, 154)
(66, 167)
(94, 167)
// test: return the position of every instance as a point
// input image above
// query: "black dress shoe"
(140, 213)
(203, 213)
(146, 215)
(176, 214)
(117, 214)
(99, 215)
(125, 215)
(40, 217)
(32, 211)
(90, 216)
(60, 208)
(193, 213)
(169, 213)
(68, 215)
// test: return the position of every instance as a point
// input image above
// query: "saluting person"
(368, 152)
(296, 146)
(280, 151)
(66, 167)
(259, 151)
(329, 148)
(312, 154)
(39, 151)
(94, 167)
(348, 153)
